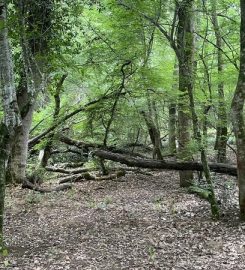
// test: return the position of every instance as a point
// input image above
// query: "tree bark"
(185, 57)
(16, 171)
(154, 135)
(3, 160)
(34, 21)
(172, 110)
(165, 164)
(238, 116)
(10, 108)
(82, 145)
(48, 147)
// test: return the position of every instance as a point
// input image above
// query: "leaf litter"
(139, 222)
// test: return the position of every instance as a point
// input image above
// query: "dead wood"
(89, 177)
(27, 184)
(111, 176)
(82, 144)
(164, 164)
(71, 164)
(66, 171)
(71, 178)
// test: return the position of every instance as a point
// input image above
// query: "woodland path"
(139, 222)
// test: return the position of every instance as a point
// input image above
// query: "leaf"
(5, 252)
(6, 263)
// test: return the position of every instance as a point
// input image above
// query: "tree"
(222, 131)
(11, 120)
(238, 116)
(185, 54)
(34, 34)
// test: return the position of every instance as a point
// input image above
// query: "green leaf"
(6, 263)
(5, 252)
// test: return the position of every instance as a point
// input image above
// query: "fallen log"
(89, 177)
(81, 144)
(200, 192)
(164, 164)
(71, 165)
(67, 171)
(27, 184)
(71, 178)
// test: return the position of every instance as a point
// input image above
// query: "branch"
(225, 54)
(61, 121)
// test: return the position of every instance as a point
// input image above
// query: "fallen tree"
(89, 177)
(82, 144)
(27, 184)
(65, 171)
(134, 160)
(164, 164)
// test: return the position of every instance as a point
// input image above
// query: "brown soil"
(139, 222)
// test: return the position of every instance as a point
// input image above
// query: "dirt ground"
(139, 222)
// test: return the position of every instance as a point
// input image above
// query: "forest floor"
(139, 222)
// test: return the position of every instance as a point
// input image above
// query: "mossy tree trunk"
(238, 116)
(185, 55)
(48, 146)
(11, 119)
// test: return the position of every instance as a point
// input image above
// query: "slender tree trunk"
(185, 58)
(154, 136)
(48, 147)
(208, 102)
(114, 106)
(3, 160)
(238, 116)
(172, 109)
(222, 132)
(206, 169)
(172, 128)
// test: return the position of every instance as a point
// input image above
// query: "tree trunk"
(172, 129)
(222, 132)
(154, 135)
(186, 70)
(185, 57)
(47, 151)
(172, 117)
(34, 31)
(19, 152)
(164, 164)
(10, 108)
(3, 160)
(238, 116)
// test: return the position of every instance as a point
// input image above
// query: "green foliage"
(94, 39)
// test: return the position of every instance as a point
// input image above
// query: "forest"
(122, 134)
